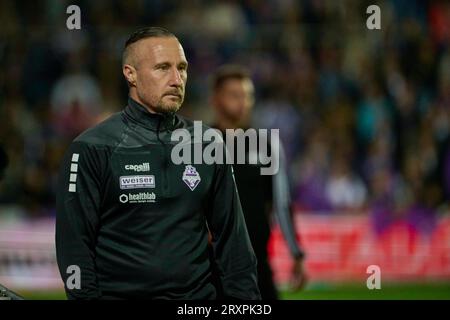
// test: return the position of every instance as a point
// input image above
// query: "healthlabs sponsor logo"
(138, 167)
(207, 146)
(137, 182)
(141, 197)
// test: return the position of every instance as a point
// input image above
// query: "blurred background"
(364, 116)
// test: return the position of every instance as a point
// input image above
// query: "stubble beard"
(171, 107)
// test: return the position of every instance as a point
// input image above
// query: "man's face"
(158, 70)
(234, 100)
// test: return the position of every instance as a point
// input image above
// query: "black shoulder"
(108, 132)
(189, 124)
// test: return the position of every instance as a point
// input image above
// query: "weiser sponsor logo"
(137, 182)
(141, 197)
(138, 167)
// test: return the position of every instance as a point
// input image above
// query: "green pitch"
(322, 291)
(389, 291)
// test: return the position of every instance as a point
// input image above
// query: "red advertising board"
(342, 247)
(338, 248)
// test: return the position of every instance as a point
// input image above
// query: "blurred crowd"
(364, 114)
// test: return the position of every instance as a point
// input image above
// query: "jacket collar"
(153, 121)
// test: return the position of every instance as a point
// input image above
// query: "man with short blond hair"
(133, 222)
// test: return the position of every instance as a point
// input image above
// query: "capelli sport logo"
(138, 167)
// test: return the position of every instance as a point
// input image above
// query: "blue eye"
(163, 67)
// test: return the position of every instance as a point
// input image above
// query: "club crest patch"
(191, 177)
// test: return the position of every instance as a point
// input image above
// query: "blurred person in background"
(135, 223)
(3, 162)
(344, 189)
(232, 100)
(75, 99)
(312, 170)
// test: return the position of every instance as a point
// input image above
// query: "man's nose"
(175, 78)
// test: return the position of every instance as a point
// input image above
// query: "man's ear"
(129, 73)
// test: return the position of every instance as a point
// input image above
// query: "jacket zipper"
(165, 162)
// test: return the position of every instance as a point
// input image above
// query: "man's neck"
(135, 97)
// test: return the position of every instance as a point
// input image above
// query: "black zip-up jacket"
(137, 225)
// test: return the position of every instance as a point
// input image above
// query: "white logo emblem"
(123, 198)
(141, 197)
(138, 167)
(191, 177)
